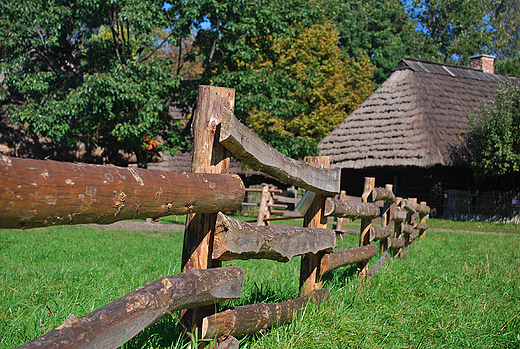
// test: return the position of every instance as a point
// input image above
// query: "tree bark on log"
(257, 317)
(382, 194)
(250, 149)
(366, 224)
(407, 228)
(209, 156)
(378, 233)
(421, 227)
(36, 193)
(341, 258)
(379, 264)
(310, 275)
(119, 321)
(396, 242)
(236, 239)
(400, 215)
(413, 235)
(352, 210)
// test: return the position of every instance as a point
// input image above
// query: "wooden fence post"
(340, 221)
(310, 276)
(366, 223)
(262, 210)
(423, 220)
(209, 156)
(385, 218)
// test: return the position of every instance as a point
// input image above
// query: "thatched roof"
(415, 118)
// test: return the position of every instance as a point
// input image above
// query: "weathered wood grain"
(353, 210)
(209, 156)
(341, 258)
(382, 194)
(119, 321)
(257, 317)
(366, 225)
(235, 239)
(310, 275)
(250, 149)
(400, 215)
(35, 193)
(407, 228)
(378, 233)
(396, 242)
(422, 227)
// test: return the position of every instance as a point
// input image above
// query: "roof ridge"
(444, 65)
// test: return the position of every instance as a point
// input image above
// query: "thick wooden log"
(378, 233)
(119, 321)
(379, 264)
(209, 156)
(236, 239)
(36, 193)
(407, 228)
(341, 258)
(262, 211)
(353, 210)
(404, 252)
(382, 194)
(423, 210)
(400, 215)
(250, 149)
(396, 242)
(310, 275)
(257, 317)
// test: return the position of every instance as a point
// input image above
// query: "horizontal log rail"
(36, 193)
(422, 226)
(382, 194)
(341, 258)
(399, 215)
(378, 233)
(407, 228)
(396, 242)
(353, 210)
(236, 239)
(257, 317)
(119, 321)
(250, 149)
(385, 257)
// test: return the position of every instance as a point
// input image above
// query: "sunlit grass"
(451, 290)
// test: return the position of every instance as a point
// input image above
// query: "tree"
(80, 68)
(381, 30)
(295, 96)
(453, 30)
(505, 20)
(493, 138)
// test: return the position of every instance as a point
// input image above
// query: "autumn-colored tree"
(304, 90)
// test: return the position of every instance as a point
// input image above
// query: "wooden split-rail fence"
(36, 193)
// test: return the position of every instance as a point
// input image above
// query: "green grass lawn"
(453, 290)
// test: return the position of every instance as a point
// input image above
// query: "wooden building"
(408, 133)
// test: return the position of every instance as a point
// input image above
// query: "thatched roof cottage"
(408, 132)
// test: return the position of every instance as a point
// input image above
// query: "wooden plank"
(262, 211)
(119, 321)
(36, 193)
(254, 318)
(310, 275)
(341, 258)
(353, 210)
(209, 156)
(250, 149)
(285, 199)
(236, 239)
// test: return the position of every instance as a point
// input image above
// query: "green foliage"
(493, 137)
(86, 69)
(381, 30)
(505, 19)
(453, 30)
(510, 65)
